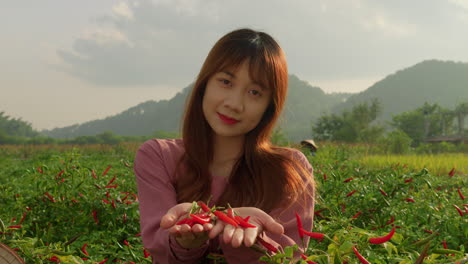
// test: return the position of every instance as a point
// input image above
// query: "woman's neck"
(227, 149)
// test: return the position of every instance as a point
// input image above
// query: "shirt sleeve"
(286, 217)
(157, 195)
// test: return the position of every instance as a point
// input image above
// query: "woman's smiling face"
(233, 104)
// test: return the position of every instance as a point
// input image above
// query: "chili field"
(79, 204)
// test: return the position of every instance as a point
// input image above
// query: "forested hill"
(304, 104)
(432, 81)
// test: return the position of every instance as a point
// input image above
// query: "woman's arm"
(156, 196)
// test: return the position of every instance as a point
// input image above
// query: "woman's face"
(233, 103)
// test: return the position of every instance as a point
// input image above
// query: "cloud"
(164, 42)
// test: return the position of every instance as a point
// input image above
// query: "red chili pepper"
(444, 243)
(351, 193)
(380, 240)
(111, 181)
(200, 220)
(104, 261)
(300, 228)
(126, 243)
(460, 212)
(349, 179)
(145, 253)
(112, 186)
(324, 176)
(83, 249)
(392, 219)
(356, 215)
(14, 226)
(304, 257)
(204, 207)
(360, 257)
(428, 231)
(113, 203)
(23, 217)
(411, 200)
(105, 201)
(187, 221)
(39, 169)
(452, 172)
(460, 194)
(267, 245)
(223, 217)
(383, 192)
(95, 217)
(244, 223)
(137, 235)
(54, 259)
(313, 234)
(60, 173)
(51, 198)
(409, 180)
(107, 170)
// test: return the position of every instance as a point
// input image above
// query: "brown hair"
(265, 175)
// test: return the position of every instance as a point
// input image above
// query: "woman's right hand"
(186, 236)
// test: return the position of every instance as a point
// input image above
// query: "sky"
(68, 62)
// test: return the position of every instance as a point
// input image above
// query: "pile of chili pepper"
(200, 213)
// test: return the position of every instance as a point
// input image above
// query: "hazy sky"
(67, 62)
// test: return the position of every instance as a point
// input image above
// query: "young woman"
(226, 154)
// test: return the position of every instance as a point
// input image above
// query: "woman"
(226, 154)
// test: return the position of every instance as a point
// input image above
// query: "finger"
(173, 214)
(250, 234)
(186, 232)
(197, 228)
(216, 230)
(208, 226)
(227, 233)
(175, 230)
(237, 237)
(269, 224)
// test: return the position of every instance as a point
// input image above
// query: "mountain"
(432, 81)
(304, 103)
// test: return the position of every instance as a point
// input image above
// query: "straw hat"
(8, 256)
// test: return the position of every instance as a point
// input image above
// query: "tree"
(351, 126)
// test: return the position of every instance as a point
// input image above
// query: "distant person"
(226, 154)
(310, 146)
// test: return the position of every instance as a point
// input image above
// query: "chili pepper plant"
(79, 205)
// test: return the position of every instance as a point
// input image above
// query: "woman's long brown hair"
(265, 176)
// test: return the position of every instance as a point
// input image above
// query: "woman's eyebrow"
(229, 73)
(254, 82)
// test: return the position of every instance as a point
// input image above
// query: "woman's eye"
(225, 81)
(255, 92)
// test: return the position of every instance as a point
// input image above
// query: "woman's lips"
(227, 120)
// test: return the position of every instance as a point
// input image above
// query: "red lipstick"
(227, 120)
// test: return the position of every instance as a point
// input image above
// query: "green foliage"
(78, 184)
(397, 142)
(278, 138)
(353, 126)
(429, 120)
(12, 127)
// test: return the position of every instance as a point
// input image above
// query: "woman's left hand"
(247, 236)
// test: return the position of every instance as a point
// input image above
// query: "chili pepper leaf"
(347, 246)
(390, 248)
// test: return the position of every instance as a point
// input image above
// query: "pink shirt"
(154, 166)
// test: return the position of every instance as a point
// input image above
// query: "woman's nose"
(235, 101)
